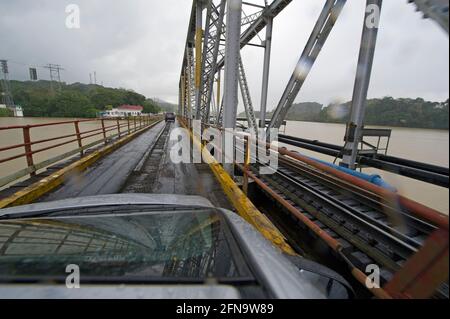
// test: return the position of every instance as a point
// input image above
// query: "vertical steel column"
(363, 74)
(219, 80)
(198, 55)
(182, 96)
(266, 71)
(232, 55)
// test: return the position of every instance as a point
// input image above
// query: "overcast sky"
(138, 44)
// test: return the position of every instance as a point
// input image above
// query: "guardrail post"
(128, 123)
(118, 127)
(134, 120)
(28, 151)
(246, 164)
(77, 131)
(104, 132)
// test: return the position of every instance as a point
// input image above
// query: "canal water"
(430, 146)
(15, 137)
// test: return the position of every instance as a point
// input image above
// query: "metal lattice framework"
(212, 37)
(227, 25)
(7, 98)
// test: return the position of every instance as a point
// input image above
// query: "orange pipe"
(415, 208)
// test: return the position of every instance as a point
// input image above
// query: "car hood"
(116, 199)
(119, 292)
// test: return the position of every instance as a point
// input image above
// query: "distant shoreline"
(374, 125)
(288, 120)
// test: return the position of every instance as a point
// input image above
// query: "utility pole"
(5, 84)
(90, 78)
(95, 77)
(55, 75)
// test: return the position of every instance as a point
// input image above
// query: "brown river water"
(430, 146)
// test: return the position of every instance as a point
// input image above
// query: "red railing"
(106, 132)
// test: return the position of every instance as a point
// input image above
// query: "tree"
(151, 107)
(6, 113)
(71, 104)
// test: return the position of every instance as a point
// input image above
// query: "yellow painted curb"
(47, 184)
(243, 205)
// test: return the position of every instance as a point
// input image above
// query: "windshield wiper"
(101, 210)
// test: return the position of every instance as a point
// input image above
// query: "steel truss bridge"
(353, 218)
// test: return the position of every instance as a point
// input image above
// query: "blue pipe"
(374, 179)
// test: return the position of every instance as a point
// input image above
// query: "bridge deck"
(116, 173)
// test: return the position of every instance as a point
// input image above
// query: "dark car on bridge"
(170, 117)
(149, 246)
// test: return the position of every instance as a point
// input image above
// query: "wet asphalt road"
(108, 174)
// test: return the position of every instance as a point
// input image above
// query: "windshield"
(170, 245)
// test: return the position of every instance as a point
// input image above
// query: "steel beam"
(266, 69)
(319, 35)
(198, 55)
(363, 74)
(213, 31)
(247, 99)
(434, 9)
(232, 57)
(259, 24)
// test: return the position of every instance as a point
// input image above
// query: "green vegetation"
(415, 113)
(74, 100)
(5, 113)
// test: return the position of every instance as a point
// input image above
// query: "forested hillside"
(74, 100)
(415, 113)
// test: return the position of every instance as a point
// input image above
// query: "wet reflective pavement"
(144, 166)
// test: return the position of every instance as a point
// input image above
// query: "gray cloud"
(138, 44)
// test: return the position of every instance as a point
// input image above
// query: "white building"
(124, 111)
(17, 110)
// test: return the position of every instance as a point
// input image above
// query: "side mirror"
(330, 282)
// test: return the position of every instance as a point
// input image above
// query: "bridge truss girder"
(316, 41)
(210, 54)
(213, 58)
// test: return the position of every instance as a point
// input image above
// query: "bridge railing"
(38, 150)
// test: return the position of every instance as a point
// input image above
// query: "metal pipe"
(415, 208)
(419, 171)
